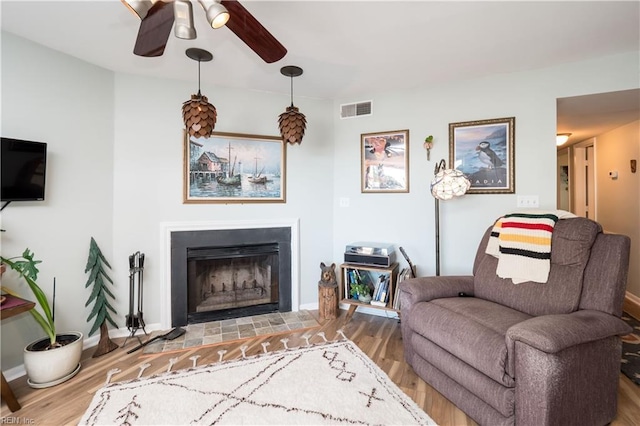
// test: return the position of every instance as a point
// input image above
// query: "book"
(381, 289)
(404, 274)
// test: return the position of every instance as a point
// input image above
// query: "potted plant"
(55, 358)
(360, 291)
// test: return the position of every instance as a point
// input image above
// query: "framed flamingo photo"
(385, 161)
(484, 151)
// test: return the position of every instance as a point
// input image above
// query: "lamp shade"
(183, 20)
(199, 116)
(217, 14)
(140, 8)
(449, 183)
(292, 125)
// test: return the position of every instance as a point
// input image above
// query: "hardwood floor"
(378, 337)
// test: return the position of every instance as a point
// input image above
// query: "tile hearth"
(216, 332)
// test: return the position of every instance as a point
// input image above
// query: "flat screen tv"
(24, 165)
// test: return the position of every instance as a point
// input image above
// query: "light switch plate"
(528, 201)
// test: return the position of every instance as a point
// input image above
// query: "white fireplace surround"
(165, 240)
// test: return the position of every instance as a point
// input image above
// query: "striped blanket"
(522, 244)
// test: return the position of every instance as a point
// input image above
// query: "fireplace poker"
(140, 287)
(171, 335)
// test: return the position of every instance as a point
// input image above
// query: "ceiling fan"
(158, 17)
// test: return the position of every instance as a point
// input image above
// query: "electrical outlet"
(528, 201)
(344, 202)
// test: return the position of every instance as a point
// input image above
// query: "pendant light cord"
(199, 94)
(292, 91)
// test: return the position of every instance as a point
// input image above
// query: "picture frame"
(384, 159)
(234, 168)
(484, 151)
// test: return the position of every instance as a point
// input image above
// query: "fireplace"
(229, 273)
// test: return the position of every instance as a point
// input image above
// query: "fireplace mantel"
(167, 228)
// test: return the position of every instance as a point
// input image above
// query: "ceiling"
(349, 50)
(591, 115)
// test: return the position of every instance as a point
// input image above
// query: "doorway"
(584, 188)
(596, 177)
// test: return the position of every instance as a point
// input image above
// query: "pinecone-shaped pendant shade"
(292, 125)
(199, 116)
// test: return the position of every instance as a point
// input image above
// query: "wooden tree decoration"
(101, 308)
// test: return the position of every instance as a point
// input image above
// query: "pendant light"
(198, 114)
(292, 122)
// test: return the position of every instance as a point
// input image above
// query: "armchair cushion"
(570, 250)
(471, 329)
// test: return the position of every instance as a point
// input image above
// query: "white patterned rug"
(332, 383)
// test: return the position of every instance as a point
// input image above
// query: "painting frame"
(384, 162)
(484, 150)
(210, 176)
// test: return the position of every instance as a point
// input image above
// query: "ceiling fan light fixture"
(562, 138)
(292, 122)
(140, 8)
(183, 15)
(198, 114)
(217, 14)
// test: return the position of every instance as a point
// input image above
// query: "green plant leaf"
(26, 267)
(51, 332)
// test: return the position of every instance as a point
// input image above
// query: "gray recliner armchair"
(527, 354)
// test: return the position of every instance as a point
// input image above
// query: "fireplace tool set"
(134, 320)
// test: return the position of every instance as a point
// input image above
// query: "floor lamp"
(446, 184)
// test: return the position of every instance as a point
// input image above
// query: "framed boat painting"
(234, 168)
(384, 161)
(484, 151)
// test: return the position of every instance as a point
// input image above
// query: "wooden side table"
(12, 306)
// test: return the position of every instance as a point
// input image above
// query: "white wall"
(618, 200)
(148, 185)
(408, 219)
(67, 103)
(121, 182)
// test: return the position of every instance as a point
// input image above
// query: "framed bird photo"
(484, 151)
(385, 161)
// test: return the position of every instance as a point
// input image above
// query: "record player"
(370, 253)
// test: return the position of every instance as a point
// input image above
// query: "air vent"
(357, 109)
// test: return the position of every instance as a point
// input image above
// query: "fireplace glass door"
(234, 281)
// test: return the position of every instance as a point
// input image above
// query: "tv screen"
(24, 166)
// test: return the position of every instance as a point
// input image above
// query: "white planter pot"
(51, 367)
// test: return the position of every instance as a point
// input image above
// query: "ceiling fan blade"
(154, 30)
(250, 31)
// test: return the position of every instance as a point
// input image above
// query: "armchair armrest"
(423, 289)
(579, 350)
(553, 333)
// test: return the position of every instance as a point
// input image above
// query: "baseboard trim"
(88, 343)
(631, 305)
